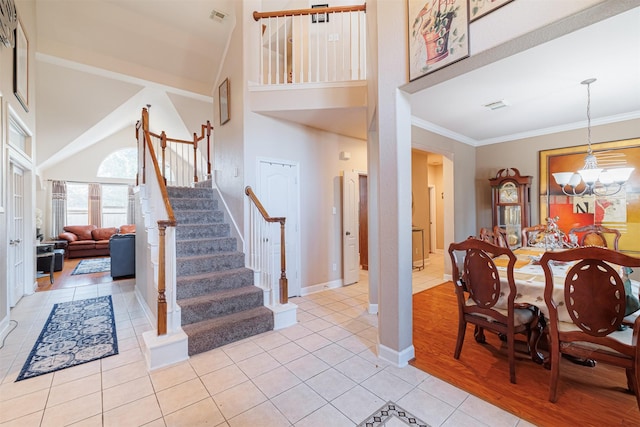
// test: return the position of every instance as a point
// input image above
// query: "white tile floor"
(321, 372)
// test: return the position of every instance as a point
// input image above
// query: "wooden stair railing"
(283, 283)
(144, 139)
(205, 131)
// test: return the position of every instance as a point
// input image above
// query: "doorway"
(16, 229)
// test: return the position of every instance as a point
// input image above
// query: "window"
(77, 203)
(114, 205)
(120, 164)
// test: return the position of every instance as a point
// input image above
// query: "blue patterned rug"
(76, 332)
(92, 265)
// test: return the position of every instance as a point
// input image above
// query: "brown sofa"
(89, 240)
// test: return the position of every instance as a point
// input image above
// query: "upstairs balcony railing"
(183, 162)
(317, 45)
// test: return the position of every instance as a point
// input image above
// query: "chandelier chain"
(589, 116)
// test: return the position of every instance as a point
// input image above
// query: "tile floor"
(321, 372)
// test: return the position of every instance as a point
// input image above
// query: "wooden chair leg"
(462, 328)
(555, 373)
(512, 357)
(479, 335)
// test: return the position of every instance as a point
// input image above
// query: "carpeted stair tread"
(192, 231)
(213, 333)
(200, 284)
(201, 246)
(220, 303)
(197, 264)
(198, 216)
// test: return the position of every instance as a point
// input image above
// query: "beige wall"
(524, 156)
(420, 203)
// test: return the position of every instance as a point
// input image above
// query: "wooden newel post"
(284, 285)
(208, 148)
(162, 299)
(163, 144)
(195, 157)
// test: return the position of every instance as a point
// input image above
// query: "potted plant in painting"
(433, 24)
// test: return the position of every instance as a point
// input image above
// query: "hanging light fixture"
(598, 181)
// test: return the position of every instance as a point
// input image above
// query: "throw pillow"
(69, 237)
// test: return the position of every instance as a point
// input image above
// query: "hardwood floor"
(63, 279)
(586, 396)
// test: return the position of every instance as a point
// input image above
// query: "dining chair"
(478, 288)
(500, 235)
(596, 235)
(487, 235)
(592, 300)
(530, 234)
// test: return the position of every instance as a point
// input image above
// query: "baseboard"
(373, 309)
(308, 290)
(397, 358)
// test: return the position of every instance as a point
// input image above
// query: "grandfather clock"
(511, 203)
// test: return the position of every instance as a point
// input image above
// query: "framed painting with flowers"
(479, 8)
(438, 34)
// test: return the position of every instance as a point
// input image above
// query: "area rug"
(76, 332)
(92, 265)
(393, 415)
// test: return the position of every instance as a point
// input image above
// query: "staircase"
(219, 303)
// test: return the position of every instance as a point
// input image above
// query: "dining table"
(530, 283)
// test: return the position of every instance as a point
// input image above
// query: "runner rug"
(391, 414)
(76, 332)
(92, 265)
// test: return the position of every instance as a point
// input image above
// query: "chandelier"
(598, 181)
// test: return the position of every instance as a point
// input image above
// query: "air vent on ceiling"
(497, 104)
(216, 15)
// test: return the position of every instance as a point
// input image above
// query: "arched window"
(120, 164)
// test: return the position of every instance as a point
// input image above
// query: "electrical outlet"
(335, 266)
(334, 37)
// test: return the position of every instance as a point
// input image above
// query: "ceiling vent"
(216, 15)
(497, 105)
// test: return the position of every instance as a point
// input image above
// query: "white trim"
(284, 315)
(256, 87)
(397, 358)
(229, 217)
(119, 76)
(308, 290)
(165, 350)
(373, 309)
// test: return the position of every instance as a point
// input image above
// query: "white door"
(16, 272)
(432, 219)
(279, 193)
(350, 228)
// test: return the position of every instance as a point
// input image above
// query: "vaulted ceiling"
(168, 54)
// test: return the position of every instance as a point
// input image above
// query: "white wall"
(9, 103)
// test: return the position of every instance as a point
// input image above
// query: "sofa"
(89, 240)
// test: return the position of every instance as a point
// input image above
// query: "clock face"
(508, 193)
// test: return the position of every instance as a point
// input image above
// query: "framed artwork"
(438, 34)
(620, 210)
(21, 67)
(319, 17)
(223, 101)
(479, 8)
